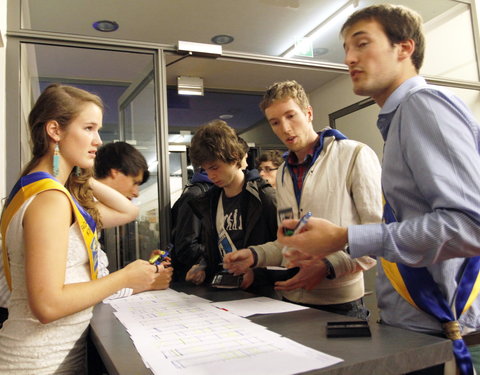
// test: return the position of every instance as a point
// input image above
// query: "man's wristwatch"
(255, 257)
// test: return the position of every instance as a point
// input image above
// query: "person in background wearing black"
(186, 226)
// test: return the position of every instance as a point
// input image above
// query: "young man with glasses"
(268, 163)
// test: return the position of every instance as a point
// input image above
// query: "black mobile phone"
(348, 329)
(226, 281)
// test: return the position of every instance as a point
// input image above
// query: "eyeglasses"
(267, 169)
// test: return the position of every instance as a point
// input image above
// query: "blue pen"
(161, 257)
(301, 223)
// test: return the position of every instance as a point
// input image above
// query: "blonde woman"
(49, 228)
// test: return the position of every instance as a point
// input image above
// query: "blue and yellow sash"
(416, 285)
(31, 185)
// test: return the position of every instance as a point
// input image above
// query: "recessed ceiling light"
(222, 39)
(225, 117)
(105, 26)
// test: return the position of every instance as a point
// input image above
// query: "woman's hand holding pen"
(317, 237)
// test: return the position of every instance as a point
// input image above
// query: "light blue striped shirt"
(431, 178)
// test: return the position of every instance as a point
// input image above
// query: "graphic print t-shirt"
(233, 221)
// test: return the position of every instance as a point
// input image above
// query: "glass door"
(137, 127)
(125, 80)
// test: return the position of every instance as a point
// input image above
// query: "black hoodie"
(259, 210)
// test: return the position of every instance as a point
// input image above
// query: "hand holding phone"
(225, 280)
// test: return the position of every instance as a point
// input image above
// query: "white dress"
(28, 346)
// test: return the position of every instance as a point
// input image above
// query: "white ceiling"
(264, 27)
(267, 27)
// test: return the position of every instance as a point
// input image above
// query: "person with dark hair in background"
(238, 211)
(245, 148)
(122, 167)
(267, 165)
(429, 243)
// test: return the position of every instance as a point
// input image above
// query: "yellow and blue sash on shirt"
(416, 285)
(31, 185)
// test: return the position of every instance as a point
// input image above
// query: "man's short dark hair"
(399, 24)
(244, 144)
(123, 157)
(274, 156)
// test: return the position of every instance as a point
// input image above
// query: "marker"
(159, 258)
(301, 223)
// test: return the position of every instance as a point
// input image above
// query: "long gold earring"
(56, 161)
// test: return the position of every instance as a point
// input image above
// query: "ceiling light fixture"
(341, 14)
(199, 49)
(189, 85)
(222, 39)
(105, 26)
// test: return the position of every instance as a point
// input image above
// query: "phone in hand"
(227, 280)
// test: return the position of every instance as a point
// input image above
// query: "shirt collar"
(292, 157)
(394, 100)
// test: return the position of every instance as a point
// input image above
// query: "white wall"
(453, 60)
(331, 97)
(448, 56)
(261, 134)
(3, 29)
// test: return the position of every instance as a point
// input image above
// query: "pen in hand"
(161, 256)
